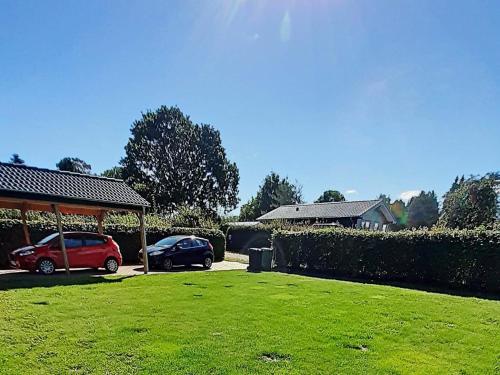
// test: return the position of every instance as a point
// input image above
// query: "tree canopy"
(470, 203)
(330, 196)
(174, 162)
(74, 165)
(115, 172)
(423, 210)
(16, 159)
(385, 198)
(274, 192)
(400, 212)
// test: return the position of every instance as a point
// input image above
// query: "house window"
(375, 226)
(384, 228)
(367, 225)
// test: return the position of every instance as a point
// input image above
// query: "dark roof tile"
(335, 210)
(46, 183)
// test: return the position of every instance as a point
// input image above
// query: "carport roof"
(38, 188)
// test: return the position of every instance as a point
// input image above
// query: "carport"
(35, 189)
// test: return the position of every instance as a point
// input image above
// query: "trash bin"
(267, 258)
(254, 260)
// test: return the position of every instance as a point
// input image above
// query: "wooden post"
(143, 241)
(27, 237)
(61, 237)
(100, 220)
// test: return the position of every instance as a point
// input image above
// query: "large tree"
(174, 162)
(250, 210)
(274, 192)
(470, 203)
(423, 210)
(74, 165)
(330, 196)
(16, 159)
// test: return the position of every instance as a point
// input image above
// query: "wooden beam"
(100, 222)
(61, 237)
(143, 241)
(27, 237)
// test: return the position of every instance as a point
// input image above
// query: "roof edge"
(60, 172)
(377, 202)
(48, 198)
(314, 204)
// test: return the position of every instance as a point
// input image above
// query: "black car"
(180, 250)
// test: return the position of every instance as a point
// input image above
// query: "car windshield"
(169, 241)
(48, 239)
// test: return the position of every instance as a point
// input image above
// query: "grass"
(238, 322)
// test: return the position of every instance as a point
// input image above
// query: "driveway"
(132, 270)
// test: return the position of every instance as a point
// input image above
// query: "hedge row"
(467, 259)
(127, 237)
(239, 238)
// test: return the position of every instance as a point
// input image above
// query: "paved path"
(131, 270)
(236, 257)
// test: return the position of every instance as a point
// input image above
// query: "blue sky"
(361, 96)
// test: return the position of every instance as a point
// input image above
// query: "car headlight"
(154, 253)
(25, 253)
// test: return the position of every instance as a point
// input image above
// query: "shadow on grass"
(440, 289)
(174, 270)
(22, 280)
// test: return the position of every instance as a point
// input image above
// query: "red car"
(85, 250)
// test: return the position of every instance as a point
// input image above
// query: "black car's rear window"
(198, 242)
(169, 241)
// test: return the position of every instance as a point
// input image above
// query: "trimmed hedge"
(127, 237)
(239, 238)
(467, 259)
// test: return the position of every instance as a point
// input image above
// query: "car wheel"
(111, 265)
(167, 264)
(46, 266)
(207, 263)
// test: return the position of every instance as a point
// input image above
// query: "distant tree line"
(470, 203)
(181, 166)
(273, 193)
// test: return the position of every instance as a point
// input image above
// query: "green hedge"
(468, 259)
(239, 238)
(127, 237)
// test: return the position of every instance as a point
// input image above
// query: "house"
(371, 214)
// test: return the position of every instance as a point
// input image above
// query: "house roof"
(330, 210)
(23, 182)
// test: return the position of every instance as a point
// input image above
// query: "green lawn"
(238, 322)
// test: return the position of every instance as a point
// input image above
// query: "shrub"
(467, 259)
(127, 236)
(152, 219)
(192, 218)
(242, 237)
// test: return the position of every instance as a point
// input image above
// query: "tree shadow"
(431, 288)
(23, 280)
